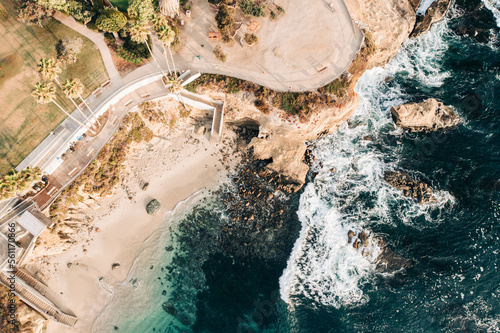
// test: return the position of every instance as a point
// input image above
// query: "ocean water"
(298, 274)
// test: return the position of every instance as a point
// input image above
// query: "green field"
(122, 5)
(23, 122)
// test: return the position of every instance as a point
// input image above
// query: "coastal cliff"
(282, 137)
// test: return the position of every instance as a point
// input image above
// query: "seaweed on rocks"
(244, 232)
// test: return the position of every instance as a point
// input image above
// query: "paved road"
(292, 54)
(349, 39)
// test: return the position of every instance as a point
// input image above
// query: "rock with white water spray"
(434, 13)
(153, 206)
(350, 235)
(429, 115)
(365, 239)
(411, 188)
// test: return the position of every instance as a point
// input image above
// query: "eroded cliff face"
(389, 22)
(282, 139)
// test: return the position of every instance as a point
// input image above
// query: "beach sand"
(176, 165)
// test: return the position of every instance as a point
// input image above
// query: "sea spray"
(324, 267)
(494, 7)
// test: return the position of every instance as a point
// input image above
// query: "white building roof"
(30, 223)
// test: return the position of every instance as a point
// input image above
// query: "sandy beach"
(176, 163)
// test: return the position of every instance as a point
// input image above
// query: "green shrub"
(128, 56)
(337, 87)
(91, 25)
(225, 19)
(140, 50)
(248, 7)
(250, 39)
(109, 36)
(219, 54)
(111, 20)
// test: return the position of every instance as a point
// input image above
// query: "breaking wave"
(349, 192)
(494, 7)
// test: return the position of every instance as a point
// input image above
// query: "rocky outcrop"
(30, 320)
(434, 13)
(282, 142)
(411, 188)
(387, 260)
(429, 115)
(389, 23)
(152, 207)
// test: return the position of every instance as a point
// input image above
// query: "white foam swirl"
(323, 267)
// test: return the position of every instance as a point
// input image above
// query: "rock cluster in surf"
(411, 188)
(387, 260)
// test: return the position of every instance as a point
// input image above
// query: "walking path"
(144, 83)
(95, 37)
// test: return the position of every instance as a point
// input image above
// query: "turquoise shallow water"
(301, 277)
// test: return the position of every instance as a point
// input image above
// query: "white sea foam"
(494, 6)
(323, 267)
(424, 5)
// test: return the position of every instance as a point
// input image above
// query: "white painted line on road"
(90, 152)
(72, 172)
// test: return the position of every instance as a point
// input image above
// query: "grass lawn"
(23, 122)
(122, 5)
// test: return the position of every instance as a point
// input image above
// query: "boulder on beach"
(429, 115)
(153, 206)
(411, 188)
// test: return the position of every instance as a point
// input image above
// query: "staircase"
(38, 302)
(217, 123)
(31, 281)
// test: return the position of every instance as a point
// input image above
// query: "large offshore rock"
(153, 206)
(429, 115)
(434, 13)
(411, 188)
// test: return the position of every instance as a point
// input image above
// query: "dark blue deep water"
(302, 276)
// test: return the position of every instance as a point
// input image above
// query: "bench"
(214, 35)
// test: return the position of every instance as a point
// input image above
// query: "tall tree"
(69, 89)
(112, 21)
(139, 32)
(49, 69)
(167, 35)
(74, 89)
(33, 13)
(169, 7)
(67, 49)
(141, 10)
(44, 93)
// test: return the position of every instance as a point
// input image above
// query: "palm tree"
(68, 90)
(167, 35)
(139, 32)
(73, 89)
(49, 69)
(169, 7)
(44, 93)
